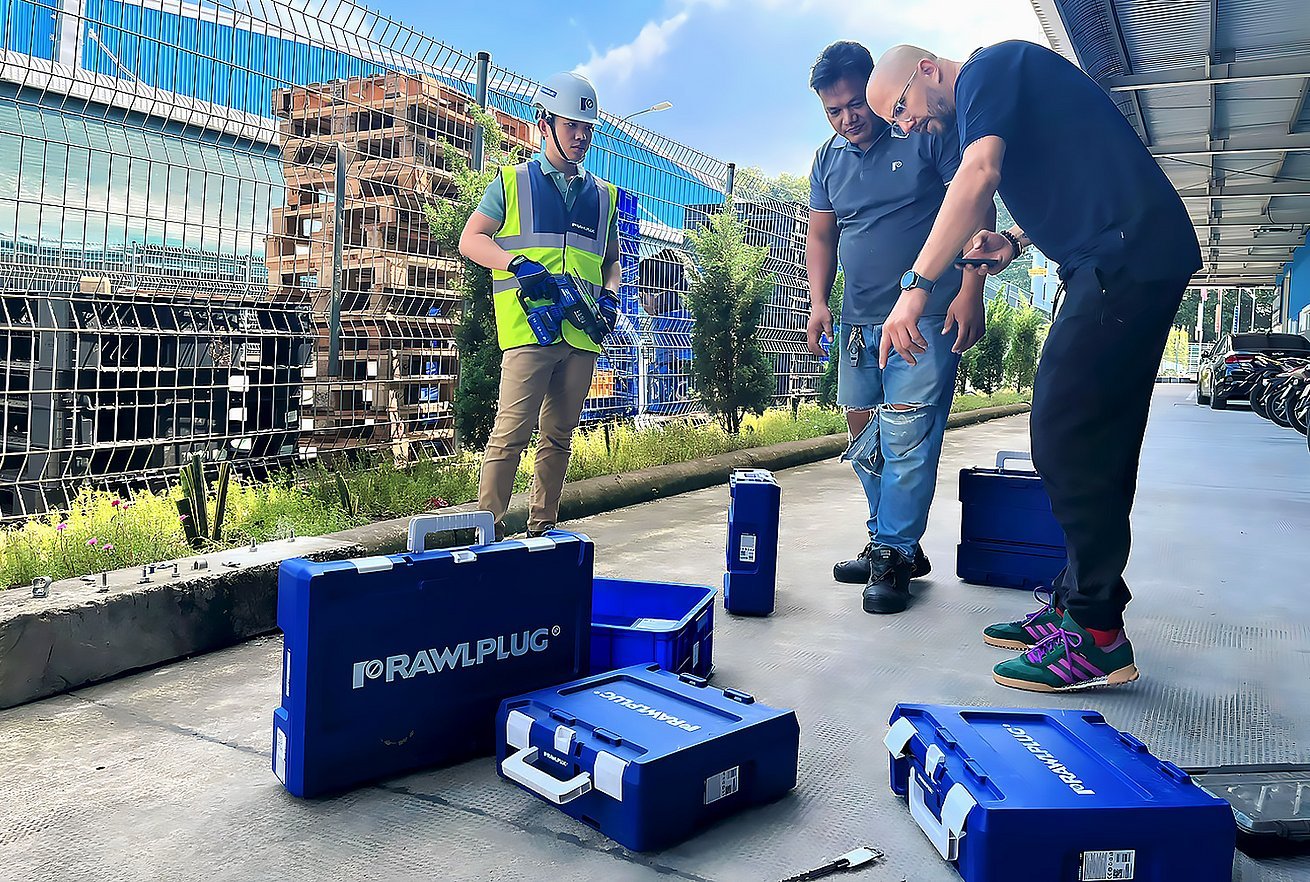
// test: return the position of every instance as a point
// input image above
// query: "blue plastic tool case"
(1055, 795)
(753, 511)
(1008, 536)
(400, 662)
(635, 622)
(646, 756)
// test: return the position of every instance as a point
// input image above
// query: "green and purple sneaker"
(1030, 630)
(1069, 660)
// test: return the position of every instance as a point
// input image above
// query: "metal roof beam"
(1246, 245)
(1238, 145)
(1213, 74)
(1121, 50)
(1253, 265)
(1253, 221)
(1262, 190)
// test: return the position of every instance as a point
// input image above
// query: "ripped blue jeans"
(896, 454)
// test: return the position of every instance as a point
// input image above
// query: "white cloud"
(617, 64)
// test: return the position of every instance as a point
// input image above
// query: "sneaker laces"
(1043, 648)
(1048, 605)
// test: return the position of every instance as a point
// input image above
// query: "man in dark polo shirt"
(873, 196)
(1084, 189)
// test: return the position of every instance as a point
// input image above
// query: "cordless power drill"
(580, 308)
(548, 300)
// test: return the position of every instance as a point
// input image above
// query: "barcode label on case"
(747, 548)
(1107, 866)
(723, 784)
(280, 755)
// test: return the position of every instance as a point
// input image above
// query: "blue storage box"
(638, 623)
(755, 502)
(646, 756)
(1053, 795)
(1008, 536)
(400, 662)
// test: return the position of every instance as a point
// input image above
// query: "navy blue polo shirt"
(1076, 176)
(885, 199)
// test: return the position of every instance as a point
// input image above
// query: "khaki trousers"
(540, 387)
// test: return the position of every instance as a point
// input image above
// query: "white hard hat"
(568, 95)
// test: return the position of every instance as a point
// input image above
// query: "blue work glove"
(608, 303)
(534, 279)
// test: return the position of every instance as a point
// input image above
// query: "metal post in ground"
(338, 234)
(480, 95)
(732, 179)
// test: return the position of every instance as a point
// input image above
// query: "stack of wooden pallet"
(398, 135)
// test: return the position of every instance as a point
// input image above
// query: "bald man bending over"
(1085, 190)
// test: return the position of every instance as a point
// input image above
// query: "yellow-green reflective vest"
(538, 226)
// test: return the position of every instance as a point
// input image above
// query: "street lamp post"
(654, 108)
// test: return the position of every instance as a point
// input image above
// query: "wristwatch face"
(909, 280)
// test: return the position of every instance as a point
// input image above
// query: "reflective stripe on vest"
(540, 227)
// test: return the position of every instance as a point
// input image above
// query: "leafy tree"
(479, 354)
(752, 181)
(1263, 318)
(1016, 272)
(1025, 347)
(987, 371)
(1175, 353)
(726, 299)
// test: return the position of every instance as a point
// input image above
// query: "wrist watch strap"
(1018, 249)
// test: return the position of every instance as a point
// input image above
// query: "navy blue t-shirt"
(885, 200)
(1076, 176)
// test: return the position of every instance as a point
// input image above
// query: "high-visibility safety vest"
(539, 226)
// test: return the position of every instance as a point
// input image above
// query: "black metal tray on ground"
(1270, 802)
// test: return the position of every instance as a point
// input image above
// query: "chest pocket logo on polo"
(896, 165)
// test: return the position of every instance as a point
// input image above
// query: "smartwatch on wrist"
(911, 279)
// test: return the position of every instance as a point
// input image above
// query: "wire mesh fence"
(213, 241)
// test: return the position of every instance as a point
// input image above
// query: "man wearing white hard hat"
(548, 231)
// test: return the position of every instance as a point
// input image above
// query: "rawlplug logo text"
(645, 710)
(461, 655)
(1045, 758)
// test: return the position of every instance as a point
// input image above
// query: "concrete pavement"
(165, 775)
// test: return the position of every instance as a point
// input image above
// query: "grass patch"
(102, 531)
(977, 400)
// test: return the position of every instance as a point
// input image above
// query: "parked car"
(1228, 371)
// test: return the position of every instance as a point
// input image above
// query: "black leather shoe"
(532, 534)
(921, 567)
(888, 590)
(856, 571)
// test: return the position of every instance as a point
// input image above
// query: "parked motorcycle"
(1270, 386)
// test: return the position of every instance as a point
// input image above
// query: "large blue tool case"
(635, 622)
(1008, 536)
(753, 511)
(399, 662)
(1055, 795)
(646, 756)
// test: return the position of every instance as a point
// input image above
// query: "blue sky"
(735, 70)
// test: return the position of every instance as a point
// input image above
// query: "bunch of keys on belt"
(855, 345)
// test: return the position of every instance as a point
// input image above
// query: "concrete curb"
(84, 633)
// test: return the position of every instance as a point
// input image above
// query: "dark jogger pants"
(1090, 403)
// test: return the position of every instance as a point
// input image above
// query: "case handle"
(1004, 456)
(423, 526)
(945, 835)
(518, 768)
